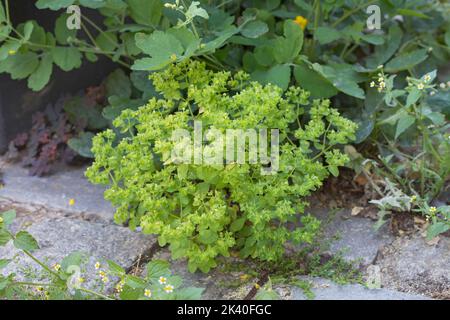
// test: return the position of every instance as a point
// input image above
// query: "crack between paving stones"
(30, 208)
(261, 282)
(144, 258)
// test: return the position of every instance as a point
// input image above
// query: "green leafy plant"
(129, 34)
(130, 31)
(96, 110)
(324, 47)
(294, 269)
(266, 292)
(71, 279)
(439, 219)
(204, 211)
(413, 146)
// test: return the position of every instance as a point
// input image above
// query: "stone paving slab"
(218, 285)
(412, 265)
(55, 191)
(58, 237)
(407, 265)
(24, 217)
(356, 237)
(327, 290)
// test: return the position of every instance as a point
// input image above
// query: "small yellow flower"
(97, 265)
(301, 21)
(81, 280)
(257, 286)
(168, 288)
(372, 84)
(173, 57)
(71, 202)
(57, 267)
(12, 52)
(170, 5)
(420, 86)
(1, 220)
(244, 277)
(40, 289)
(162, 280)
(102, 274)
(427, 77)
(147, 293)
(105, 279)
(413, 198)
(119, 286)
(382, 84)
(433, 210)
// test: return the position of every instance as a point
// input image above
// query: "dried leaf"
(433, 241)
(357, 210)
(361, 180)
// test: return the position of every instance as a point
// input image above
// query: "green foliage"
(29, 51)
(323, 47)
(82, 144)
(75, 279)
(266, 292)
(204, 211)
(440, 220)
(413, 148)
(295, 268)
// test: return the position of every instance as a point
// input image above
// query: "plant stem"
(312, 45)
(316, 15)
(40, 263)
(28, 253)
(224, 3)
(353, 48)
(321, 153)
(89, 34)
(99, 30)
(8, 18)
(351, 12)
(372, 183)
(33, 284)
(95, 293)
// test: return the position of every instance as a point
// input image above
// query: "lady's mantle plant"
(204, 212)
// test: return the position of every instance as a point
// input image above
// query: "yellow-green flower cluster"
(205, 211)
(380, 83)
(422, 84)
(119, 286)
(103, 276)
